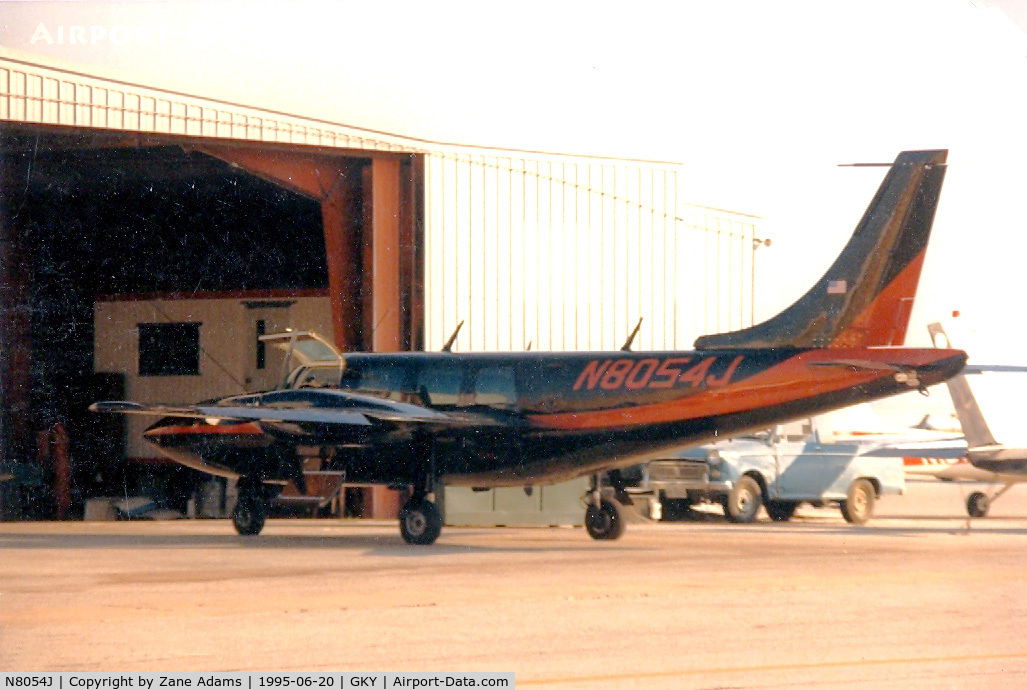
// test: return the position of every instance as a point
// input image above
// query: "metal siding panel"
(514, 228)
(558, 267)
(5, 94)
(115, 109)
(477, 254)
(545, 256)
(530, 268)
(540, 249)
(590, 253)
(657, 330)
(571, 258)
(51, 101)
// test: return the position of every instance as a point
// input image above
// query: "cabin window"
(169, 349)
(440, 385)
(381, 381)
(495, 387)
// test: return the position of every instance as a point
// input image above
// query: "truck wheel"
(744, 501)
(858, 507)
(977, 505)
(781, 511)
(604, 522)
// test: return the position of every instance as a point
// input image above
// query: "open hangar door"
(85, 213)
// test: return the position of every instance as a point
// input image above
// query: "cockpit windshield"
(315, 361)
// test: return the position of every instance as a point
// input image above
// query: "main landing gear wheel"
(858, 507)
(605, 521)
(420, 522)
(977, 504)
(744, 501)
(249, 515)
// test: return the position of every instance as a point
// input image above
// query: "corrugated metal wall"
(568, 253)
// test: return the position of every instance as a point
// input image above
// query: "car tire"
(744, 501)
(858, 507)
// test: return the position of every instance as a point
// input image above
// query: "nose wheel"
(249, 515)
(978, 504)
(604, 521)
(251, 508)
(604, 515)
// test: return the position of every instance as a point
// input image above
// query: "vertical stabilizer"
(975, 429)
(866, 297)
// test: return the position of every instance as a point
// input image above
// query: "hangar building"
(114, 193)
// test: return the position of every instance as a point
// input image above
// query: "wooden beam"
(385, 250)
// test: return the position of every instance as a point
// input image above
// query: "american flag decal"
(837, 287)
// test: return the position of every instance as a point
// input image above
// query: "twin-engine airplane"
(489, 420)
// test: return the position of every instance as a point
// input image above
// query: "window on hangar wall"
(169, 349)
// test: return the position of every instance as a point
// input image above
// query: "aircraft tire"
(604, 522)
(858, 507)
(249, 515)
(781, 511)
(420, 522)
(977, 504)
(744, 501)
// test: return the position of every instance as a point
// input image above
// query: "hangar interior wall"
(568, 253)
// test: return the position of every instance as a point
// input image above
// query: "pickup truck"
(773, 470)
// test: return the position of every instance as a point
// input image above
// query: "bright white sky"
(758, 100)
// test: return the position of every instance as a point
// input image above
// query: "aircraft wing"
(941, 448)
(356, 411)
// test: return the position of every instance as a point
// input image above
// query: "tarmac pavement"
(920, 597)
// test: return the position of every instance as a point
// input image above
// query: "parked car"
(776, 470)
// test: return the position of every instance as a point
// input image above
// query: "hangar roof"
(39, 91)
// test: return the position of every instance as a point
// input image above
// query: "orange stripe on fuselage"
(791, 380)
(883, 323)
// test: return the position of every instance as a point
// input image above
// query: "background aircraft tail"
(866, 297)
(975, 429)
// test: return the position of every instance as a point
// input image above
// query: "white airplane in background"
(989, 460)
(925, 449)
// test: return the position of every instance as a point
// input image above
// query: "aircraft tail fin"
(975, 429)
(866, 297)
